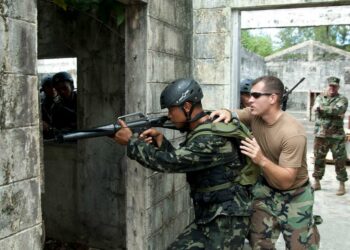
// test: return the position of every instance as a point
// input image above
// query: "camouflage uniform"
(291, 210)
(329, 134)
(211, 163)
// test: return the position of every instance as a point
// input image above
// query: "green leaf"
(120, 18)
(119, 10)
(61, 3)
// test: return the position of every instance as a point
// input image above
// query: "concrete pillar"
(235, 59)
(158, 50)
(20, 176)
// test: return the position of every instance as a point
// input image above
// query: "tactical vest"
(246, 174)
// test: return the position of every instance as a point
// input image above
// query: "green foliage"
(335, 35)
(105, 10)
(259, 44)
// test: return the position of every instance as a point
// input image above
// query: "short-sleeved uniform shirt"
(283, 142)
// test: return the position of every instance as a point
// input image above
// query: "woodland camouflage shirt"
(329, 120)
(195, 158)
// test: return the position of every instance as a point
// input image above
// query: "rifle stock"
(107, 130)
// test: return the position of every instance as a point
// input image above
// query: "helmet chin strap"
(189, 119)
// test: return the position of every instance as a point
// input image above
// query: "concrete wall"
(168, 206)
(60, 199)
(89, 205)
(116, 207)
(314, 61)
(158, 40)
(211, 51)
(252, 65)
(20, 176)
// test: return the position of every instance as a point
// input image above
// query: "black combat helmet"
(62, 77)
(246, 85)
(180, 91)
(46, 82)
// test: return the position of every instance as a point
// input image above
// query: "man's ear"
(273, 98)
(187, 106)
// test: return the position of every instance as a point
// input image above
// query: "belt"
(215, 188)
(264, 181)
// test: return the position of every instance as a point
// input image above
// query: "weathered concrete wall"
(94, 184)
(60, 199)
(252, 65)
(158, 51)
(297, 17)
(135, 69)
(314, 61)
(20, 176)
(274, 4)
(211, 51)
(168, 206)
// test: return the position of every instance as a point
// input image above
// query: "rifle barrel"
(88, 133)
(296, 85)
(110, 129)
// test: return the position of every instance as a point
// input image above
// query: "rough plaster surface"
(20, 176)
(171, 24)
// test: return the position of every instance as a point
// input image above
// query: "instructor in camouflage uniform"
(329, 133)
(212, 163)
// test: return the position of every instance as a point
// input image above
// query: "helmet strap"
(198, 116)
(189, 114)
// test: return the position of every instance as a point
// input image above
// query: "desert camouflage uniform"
(329, 134)
(289, 212)
(222, 215)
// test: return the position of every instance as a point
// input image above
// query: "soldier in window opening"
(48, 100)
(64, 112)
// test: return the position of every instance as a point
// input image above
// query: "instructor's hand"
(221, 115)
(251, 148)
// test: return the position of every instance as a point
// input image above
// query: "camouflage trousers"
(337, 147)
(286, 212)
(224, 233)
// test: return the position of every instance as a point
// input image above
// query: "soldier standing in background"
(329, 133)
(245, 86)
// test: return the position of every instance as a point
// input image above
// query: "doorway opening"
(83, 195)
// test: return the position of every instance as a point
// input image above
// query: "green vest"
(234, 129)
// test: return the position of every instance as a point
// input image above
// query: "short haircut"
(272, 85)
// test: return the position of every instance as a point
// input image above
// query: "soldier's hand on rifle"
(152, 136)
(122, 136)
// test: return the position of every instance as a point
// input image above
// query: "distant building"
(315, 61)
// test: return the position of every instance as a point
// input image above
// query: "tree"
(334, 35)
(259, 44)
